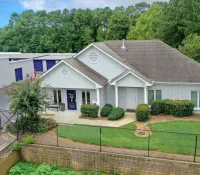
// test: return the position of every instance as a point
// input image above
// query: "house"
(124, 74)
(15, 66)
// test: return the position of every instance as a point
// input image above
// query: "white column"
(116, 96)
(145, 95)
(98, 100)
(98, 96)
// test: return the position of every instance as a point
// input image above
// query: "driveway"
(72, 117)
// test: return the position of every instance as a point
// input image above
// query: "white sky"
(50, 5)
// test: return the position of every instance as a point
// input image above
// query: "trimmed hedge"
(90, 110)
(105, 111)
(142, 113)
(116, 113)
(108, 105)
(178, 108)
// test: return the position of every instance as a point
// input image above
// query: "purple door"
(71, 100)
(18, 74)
(38, 66)
(50, 63)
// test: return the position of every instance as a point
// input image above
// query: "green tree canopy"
(191, 47)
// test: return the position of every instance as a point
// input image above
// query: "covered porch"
(130, 91)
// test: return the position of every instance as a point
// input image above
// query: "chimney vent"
(123, 45)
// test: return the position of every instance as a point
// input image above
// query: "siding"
(7, 71)
(4, 99)
(176, 92)
(75, 80)
(110, 94)
(106, 66)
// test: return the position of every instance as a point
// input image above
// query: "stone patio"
(72, 117)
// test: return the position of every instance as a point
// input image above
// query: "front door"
(131, 99)
(71, 99)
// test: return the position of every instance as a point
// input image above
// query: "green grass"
(121, 137)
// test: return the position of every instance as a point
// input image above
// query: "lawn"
(121, 137)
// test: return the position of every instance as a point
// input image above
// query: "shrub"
(106, 110)
(188, 107)
(46, 124)
(178, 108)
(142, 112)
(116, 113)
(161, 107)
(16, 146)
(28, 139)
(90, 110)
(108, 105)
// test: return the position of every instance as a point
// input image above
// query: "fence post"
(100, 139)
(22, 125)
(17, 128)
(195, 149)
(148, 143)
(57, 134)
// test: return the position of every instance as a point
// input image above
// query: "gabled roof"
(107, 50)
(157, 61)
(98, 78)
(81, 68)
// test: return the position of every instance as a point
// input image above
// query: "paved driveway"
(72, 117)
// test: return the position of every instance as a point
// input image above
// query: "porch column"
(145, 95)
(116, 96)
(98, 96)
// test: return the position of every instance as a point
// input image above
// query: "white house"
(121, 73)
(125, 74)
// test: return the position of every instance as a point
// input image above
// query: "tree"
(27, 99)
(142, 7)
(144, 29)
(118, 24)
(179, 18)
(191, 47)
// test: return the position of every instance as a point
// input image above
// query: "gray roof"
(111, 52)
(96, 77)
(156, 60)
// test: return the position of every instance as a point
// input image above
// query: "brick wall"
(107, 162)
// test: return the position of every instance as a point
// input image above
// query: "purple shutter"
(18, 74)
(38, 65)
(50, 63)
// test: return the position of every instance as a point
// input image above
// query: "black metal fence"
(130, 141)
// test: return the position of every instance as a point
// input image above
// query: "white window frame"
(57, 95)
(198, 92)
(86, 101)
(154, 94)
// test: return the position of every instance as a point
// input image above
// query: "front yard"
(125, 138)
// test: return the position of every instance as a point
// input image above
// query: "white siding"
(110, 94)
(130, 81)
(106, 66)
(7, 71)
(75, 80)
(176, 92)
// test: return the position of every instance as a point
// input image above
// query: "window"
(83, 98)
(18, 74)
(154, 95)
(57, 97)
(86, 97)
(195, 98)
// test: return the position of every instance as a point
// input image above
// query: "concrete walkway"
(72, 117)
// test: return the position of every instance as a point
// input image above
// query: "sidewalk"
(72, 117)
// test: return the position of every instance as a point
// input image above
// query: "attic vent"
(65, 73)
(93, 57)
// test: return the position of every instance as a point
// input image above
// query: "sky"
(7, 7)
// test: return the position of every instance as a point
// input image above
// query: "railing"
(158, 144)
